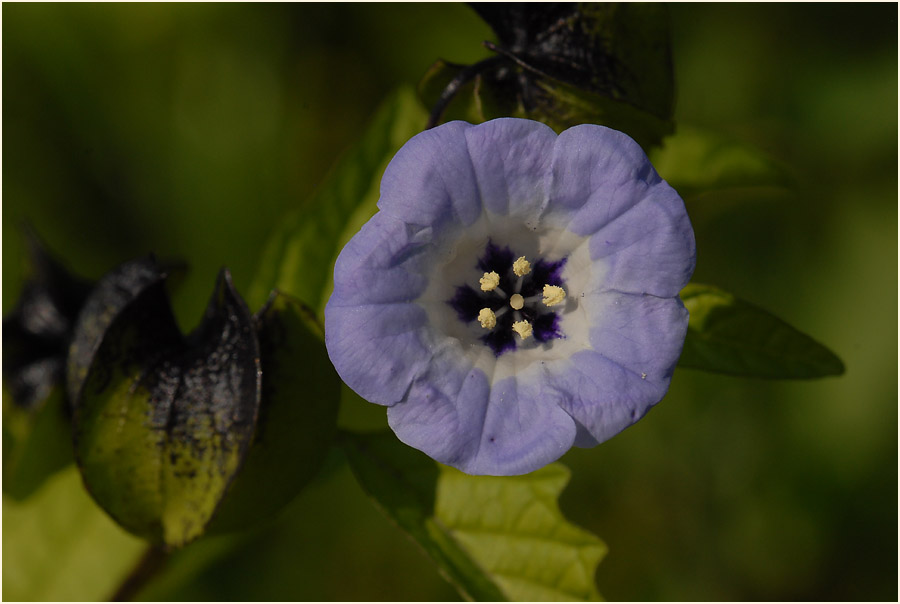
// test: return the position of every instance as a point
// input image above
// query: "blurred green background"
(190, 129)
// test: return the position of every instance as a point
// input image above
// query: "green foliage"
(402, 482)
(297, 416)
(728, 335)
(300, 255)
(161, 423)
(494, 538)
(59, 546)
(195, 146)
(513, 528)
(36, 443)
(696, 161)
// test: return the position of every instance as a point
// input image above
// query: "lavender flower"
(517, 293)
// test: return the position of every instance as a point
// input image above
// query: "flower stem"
(147, 567)
(450, 90)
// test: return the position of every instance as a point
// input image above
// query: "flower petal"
(430, 181)
(385, 262)
(377, 349)
(601, 395)
(597, 174)
(636, 342)
(443, 413)
(650, 247)
(643, 334)
(374, 336)
(511, 159)
(522, 430)
(458, 417)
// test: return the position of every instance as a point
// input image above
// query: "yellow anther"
(489, 282)
(553, 295)
(523, 328)
(487, 318)
(521, 267)
(516, 301)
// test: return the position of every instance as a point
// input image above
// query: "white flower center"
(455, 260)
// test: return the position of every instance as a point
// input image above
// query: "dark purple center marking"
(468, 301)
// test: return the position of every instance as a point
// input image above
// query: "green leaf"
(402, 483)
(493, 538)
(36, 443)
(162, 422)
(728, 335)
(694, 161)
(297, 415)
(59, 546)
(513, 528)
(299, 258)
(359, 415)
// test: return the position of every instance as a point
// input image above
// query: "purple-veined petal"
(600, 394)
(431, 181)
(443, 413)
(383, 263)
(521, 431)
(373, 335)
(649, 248)
(597, 174)
(636, 341)
(377, 349)
(511, 159)
(643, 334)
(458, 417)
